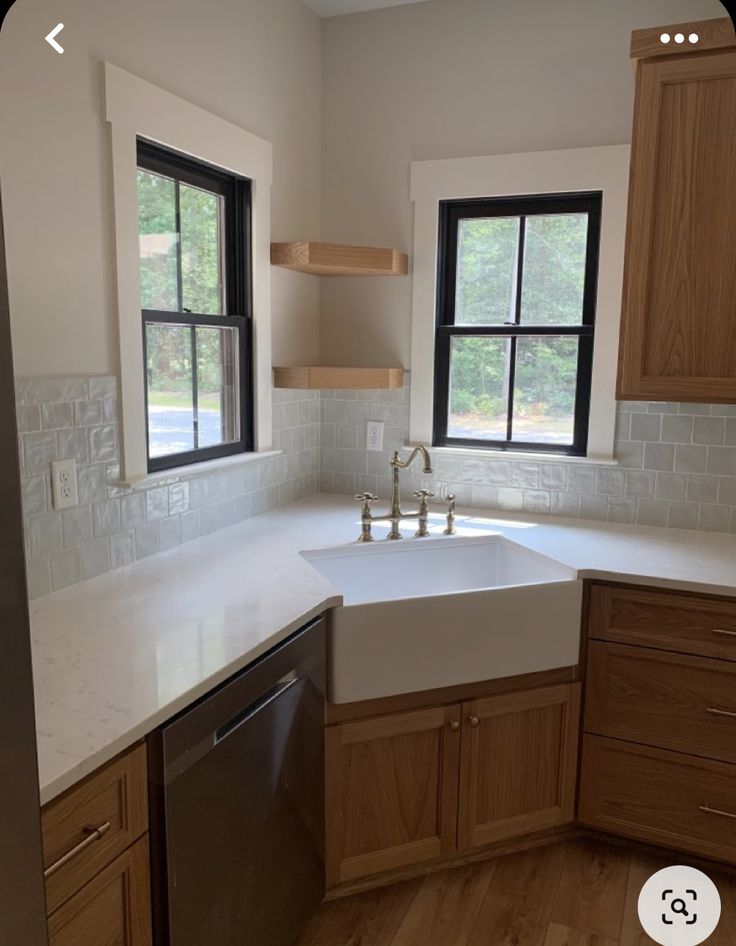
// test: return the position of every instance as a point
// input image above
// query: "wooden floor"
(575, 893)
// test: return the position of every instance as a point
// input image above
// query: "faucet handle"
(366, 498)
(423, 493)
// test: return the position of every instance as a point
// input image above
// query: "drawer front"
(114, 908)
(658, 796)
(685, 623)
(671, 701)
(89, 826)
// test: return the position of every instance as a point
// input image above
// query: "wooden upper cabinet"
(391, 791)
(518, 764)
(678, 329)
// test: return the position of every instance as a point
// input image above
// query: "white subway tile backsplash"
(645, 427)
(122, 549)
(676, 468)
(44, 535)
(65, 569)
(102, 443)
(76, 525)
(709, 430)
(39, 450)
(106, 517)
(56, 415)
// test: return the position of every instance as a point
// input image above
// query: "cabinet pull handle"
(720, 630)
(716, 811)
(719, 712)
(474, 721)
(93, 834)
(454, 725)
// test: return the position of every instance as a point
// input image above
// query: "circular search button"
(679, 906)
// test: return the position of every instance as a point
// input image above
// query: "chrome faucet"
(395, 515)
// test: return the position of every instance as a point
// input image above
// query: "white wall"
(456, 78)
(256, 63)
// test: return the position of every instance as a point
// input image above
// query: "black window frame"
(238, 308)
(450, 214)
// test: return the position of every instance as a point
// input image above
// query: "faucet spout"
(398, 464)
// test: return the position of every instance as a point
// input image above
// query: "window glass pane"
(544, 389)
(190, 409)
(485, 292)
(157, 238)
(479, 383)
(201, 250)
(554, 269)
(218, 375)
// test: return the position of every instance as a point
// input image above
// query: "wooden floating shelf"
(338, 378)
(334, 259)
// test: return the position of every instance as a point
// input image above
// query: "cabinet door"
(391, 791)
(678, 333)
(114, 909)
(518, 764)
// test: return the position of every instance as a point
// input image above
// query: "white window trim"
(603, 169)
(137, 108)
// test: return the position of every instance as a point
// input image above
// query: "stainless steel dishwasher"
(237, 804)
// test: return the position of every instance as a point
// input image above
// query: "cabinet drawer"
(95, 821)
(685, 623)
(658, 796)
(671, 701)
(114, 908)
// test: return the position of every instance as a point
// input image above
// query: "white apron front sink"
(437, 612)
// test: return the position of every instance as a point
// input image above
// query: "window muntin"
(515, 322)
(194, 239)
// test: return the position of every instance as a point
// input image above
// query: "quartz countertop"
(116, 656)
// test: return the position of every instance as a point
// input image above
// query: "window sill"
(176, 473)
(532, 456)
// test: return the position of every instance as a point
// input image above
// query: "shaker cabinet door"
(678, 331)
(391, 791)
(518, 764)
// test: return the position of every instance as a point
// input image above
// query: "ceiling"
(340, 7)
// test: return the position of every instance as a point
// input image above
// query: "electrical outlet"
(374, 435)
(64, 483)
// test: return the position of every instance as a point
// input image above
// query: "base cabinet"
(425, 784)
(518, 764)
(112, 910)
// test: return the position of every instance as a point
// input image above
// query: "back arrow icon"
(50, 38)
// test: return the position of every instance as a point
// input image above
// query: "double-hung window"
(195, 250)
(515, 320)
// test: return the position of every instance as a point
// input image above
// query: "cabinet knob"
(474, 721)
(454, 725)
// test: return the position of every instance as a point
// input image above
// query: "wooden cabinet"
(391, 791)
(96, 861)
(517, 771)
(426, 784)
(659, 751)
(112, 910)
(678, 334)
(661, 797)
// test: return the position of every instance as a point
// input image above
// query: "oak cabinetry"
(112, 910)
(678, 335)
(517, 770)
(426, 784)
(662, 797)
(659, 751)
(95, 846)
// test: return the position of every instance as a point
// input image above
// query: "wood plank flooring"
(573, 893)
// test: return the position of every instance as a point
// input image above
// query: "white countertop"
(116, 656)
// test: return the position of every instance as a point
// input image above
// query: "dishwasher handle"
(281, 686)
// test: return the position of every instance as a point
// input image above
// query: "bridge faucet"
(395, 515)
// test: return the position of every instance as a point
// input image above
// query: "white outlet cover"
(374, 435)
(64, 483)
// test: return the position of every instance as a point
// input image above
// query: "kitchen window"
(516, 294)
(194, 238)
